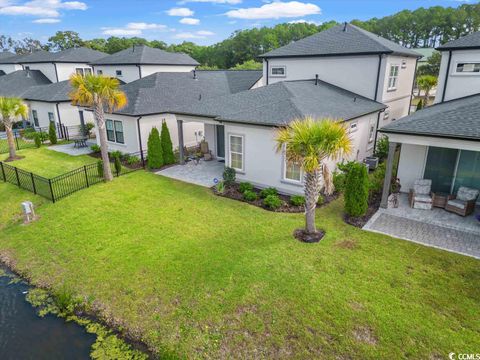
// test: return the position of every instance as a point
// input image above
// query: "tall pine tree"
(167, 147)
(154, 151)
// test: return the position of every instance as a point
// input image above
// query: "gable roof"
(471, 41)
(278, 104)
(6, 54)
(145, 55)
(345, 39)
(55, 92)
(73, 55)
(2, 72)
(459, 118)
(168, 92)
(15, 59)
(17, 83)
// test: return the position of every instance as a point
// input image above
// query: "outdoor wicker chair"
(421, 196)
(464, 202)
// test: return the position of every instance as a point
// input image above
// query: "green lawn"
(196, 275)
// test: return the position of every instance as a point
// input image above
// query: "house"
(9, 62)
(17, 83)
(442, 142)
(459, 68)
(139, 61)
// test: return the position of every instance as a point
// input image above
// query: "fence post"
(16, 139)
(3, 172)
(16, 174)
(86, 175)
(51, 189)
(33, 183)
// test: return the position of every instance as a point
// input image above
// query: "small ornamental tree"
(167, 147)
(154, 153)
(52, 133)
(356, 190)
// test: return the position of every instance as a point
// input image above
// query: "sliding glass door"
(468, 170)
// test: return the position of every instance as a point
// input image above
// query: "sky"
(174, 21)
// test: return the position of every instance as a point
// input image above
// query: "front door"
(220, 131)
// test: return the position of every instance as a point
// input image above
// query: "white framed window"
(278, 71)
(51, 117)
(353, 127)
(79, 71)
(115, 131)
(292, 170)
(236, 146)
(393, 77)
(118, 72)
(468, 68)
(88, 71)
(99, 72)
(371, 134)
(35, 118)
(27, 67)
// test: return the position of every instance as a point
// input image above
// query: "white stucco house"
(8, 62)
(442, 142)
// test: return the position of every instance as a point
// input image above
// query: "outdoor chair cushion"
(467, 194)
(423, 186)
(457, 203)
(423, 198)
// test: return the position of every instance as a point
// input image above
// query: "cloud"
(230, 2)
(122, 32)
(145, 26)
(189, 21)
(42, 8)
(276, 10)
(303, 21)
(202, 34)
(46, 21)
(133, 29)
(180, 12)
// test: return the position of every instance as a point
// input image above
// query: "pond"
(24, 335)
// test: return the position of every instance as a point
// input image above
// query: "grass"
(199, 276)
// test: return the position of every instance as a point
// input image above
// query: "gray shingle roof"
(471, 41)
(19, 82)
(55, 92)
(73, 55)
(280, 103)
(15, 59)
(459, 118)
(146, 55)
(6, 54)
(345, 39)
(2, 72)
(168, 92)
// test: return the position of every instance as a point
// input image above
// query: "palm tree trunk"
(102, 132)
(312, 191)
(10, 139)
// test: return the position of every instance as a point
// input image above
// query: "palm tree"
(11, 109)
(103, 95)
(310, 142)
(426, 83)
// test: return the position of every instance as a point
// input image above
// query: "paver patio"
(204, 173)
(70, 149)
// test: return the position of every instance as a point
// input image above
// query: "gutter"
(139, 70)
(440, 136)
(378, 76)
(446, 75)
(377, 130)
(59, 120)
(413, 86)
(268, 70)
(56, 71)
(140, 140)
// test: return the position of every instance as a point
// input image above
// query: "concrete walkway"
(203, 174)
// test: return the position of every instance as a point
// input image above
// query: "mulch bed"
(233, 192)
(360, 221)
(303, 236)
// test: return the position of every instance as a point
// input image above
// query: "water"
(24, 335)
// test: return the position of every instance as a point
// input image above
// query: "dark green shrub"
(356, 190)
(52, 133)
(167, 147)
(100, 168)
(132, 160)
(381, 150)
(29, 133)
(268, 191)
(117, 163)
(320, 200)
(272, 202)
(245, 186)
(376, 178)
(95, 148)
(155, 152)
(297, 200)
(338, 179)
(220, 187)
(250, 195)
(115, 154)
(38, 140)
(229, 176)
(88, 128)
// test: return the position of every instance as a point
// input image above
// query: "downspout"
(266, 60)
(139, 70)
(56, 71)
(413, 86)
(376, 130)
(59, 121)
(446, 75)
(378, 76)
(140, 141)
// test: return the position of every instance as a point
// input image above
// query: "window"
(118, 72)
(278, 71)
(79, 71)
(51, 118)
(353, 127)
(35, 118)
(27, 67)
(292, 170)
(468, 68)
(371, 134)
(99, 72)
(88, 71)
(236, 152)
(115, 131)
(393, 77)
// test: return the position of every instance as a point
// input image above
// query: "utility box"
(28, 211)
(372, 162)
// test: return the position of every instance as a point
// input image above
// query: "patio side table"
(440, 200)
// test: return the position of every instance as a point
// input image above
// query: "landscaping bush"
(320, 200)
(96, 148)
(132, 160)
(100, 168)
(268, 191)
(167, 147)
(52, 133)
(250, 195)
(88, 128)
(338, 179)
(375, 183)
(115, 154)
(272, 202)
(381, 150)
(245, 186)
(220, 187)
(38, 140)
(117, 163)
(297, 200)
(155, 152)
(229, 176)
(356, 190)
(29, 133)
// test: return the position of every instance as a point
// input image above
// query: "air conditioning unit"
(372, 162)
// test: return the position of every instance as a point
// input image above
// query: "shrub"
(117, 163)
(245, 186)
(155, 152)
(96, 148)
(338, 179)
(250, 195)
(115, 154)
(52, 133)
(29, 133)
(229, 176)
(167, 147)
(88, 128)
(381, 150)
(38, 140)
(132, 160)
(356, 190)
(420, 105)
(320, 200)
(268, 191)
(272, 202)
(220, 187)
(100, 168)
(297, 200)
(375, 183)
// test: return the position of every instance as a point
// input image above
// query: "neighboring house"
(139, 61)
(460, 68)
(353, 59)
(442, 142)
(17, 83)
(9, 62)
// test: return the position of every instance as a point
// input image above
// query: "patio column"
(180, 142)
(388, 174)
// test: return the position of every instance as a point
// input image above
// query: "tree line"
(423, 27)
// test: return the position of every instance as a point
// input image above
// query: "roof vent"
(316, 79)
(28, 72)
(355, 99)
(133, 48)
(345, 26)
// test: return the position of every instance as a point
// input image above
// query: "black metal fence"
(66, 184)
